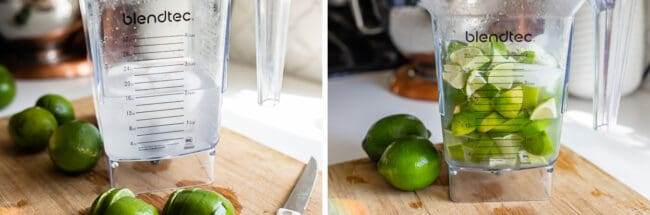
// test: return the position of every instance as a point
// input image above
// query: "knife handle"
(284, 211)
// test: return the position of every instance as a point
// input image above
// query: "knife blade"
(299, 197)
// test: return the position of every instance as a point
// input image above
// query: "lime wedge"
(450, 139)
(484, 149)
(474, 82)
(463, 123)
(454, 75)
(456, 109)
(485, 47)
(539, 144)
(487, 91)
(490, 121)
(509, 144)
(535, 127)
(480, 62)
(499, 48)
(456, 152)
(469, 58)
(503, 75)
(530, 96)
(546, 110)
(480, 104)
(499, 53)
(512, 125)
(454, 45)
(509, 103)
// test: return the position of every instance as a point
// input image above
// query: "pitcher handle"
(611, 50)
(271, 23)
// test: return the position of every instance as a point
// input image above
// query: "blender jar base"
(164, 174)
(495, 186)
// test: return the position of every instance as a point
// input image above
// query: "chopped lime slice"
(538, 144)
(509, 103)
(490, 121)
(454, 75)
(474, 81)
(463, 123)
(503, 75)
(454, 45)
(546, 110)
(456, 109)
(530, 96)
(456, 152)
(535, 127)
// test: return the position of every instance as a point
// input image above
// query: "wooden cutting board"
(578, 187)
(257, 179)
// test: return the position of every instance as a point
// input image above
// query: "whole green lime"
(130, 206)
(60, 107)
(31, 129)
(7, 87)
(390, 128)
(410, 163)
(199, 202)
(75, 146)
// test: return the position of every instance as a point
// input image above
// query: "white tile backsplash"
(304, 40)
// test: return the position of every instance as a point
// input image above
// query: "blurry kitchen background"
(41, 42)
(380, 52)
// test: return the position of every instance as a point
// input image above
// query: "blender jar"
(504, 66)
(160, 68)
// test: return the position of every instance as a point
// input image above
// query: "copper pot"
(42, 38)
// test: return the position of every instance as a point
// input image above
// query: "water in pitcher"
(162, 112)
(506, 101)
(159, 75)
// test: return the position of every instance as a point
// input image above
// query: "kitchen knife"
(299, 196)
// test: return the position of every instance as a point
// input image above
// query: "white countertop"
(357, 101)
(294, 127)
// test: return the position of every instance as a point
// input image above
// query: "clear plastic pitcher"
(160, 71)
(503, 66)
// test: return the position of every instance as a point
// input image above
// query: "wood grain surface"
(578, 187)
(257, 179)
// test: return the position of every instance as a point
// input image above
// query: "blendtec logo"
(165, 16)
(503, 37)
